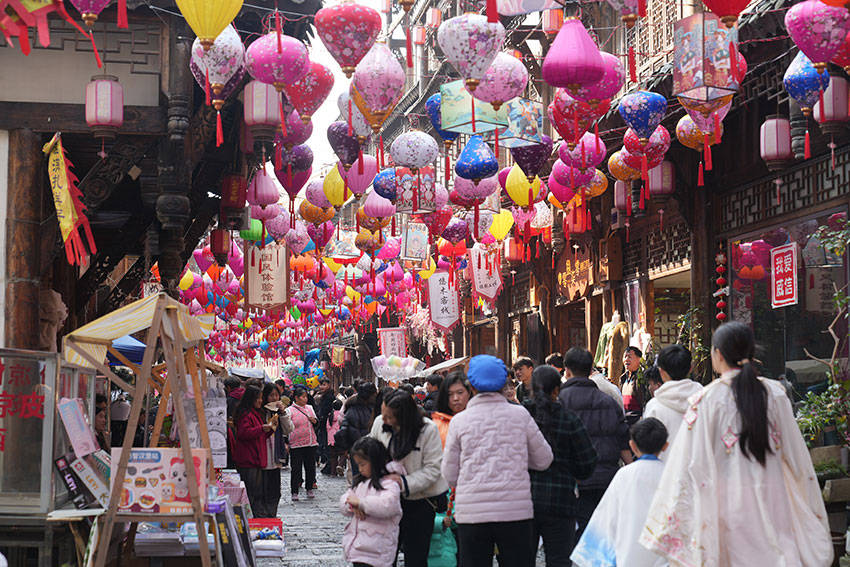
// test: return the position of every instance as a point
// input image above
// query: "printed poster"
(443, 302)
(414, 242)
(783, 276)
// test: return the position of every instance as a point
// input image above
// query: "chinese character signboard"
(486, 275)
(266, 276)
(393, 341)
(574, 273)
(443, 302)
(783, 276)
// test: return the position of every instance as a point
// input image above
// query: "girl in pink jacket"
(374, 504)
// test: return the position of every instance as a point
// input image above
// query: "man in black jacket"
(324, 408)
(605, 423)
(432, 386)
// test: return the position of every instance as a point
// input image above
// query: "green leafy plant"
(821, 411)
(690, 335)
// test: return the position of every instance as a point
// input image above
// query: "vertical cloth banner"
(393, 341)
(443, 302)
(337, 356)
(266, 276)
(486, 282)
(69, 206)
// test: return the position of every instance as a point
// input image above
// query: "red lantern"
(104, 106)
(552, 21)
(727, 10)
(434, 17)
(220, 245)
(514, 250)
(309, 92)
(775, 142)
(419, 35)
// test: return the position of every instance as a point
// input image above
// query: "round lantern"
(573, 60)
(309, 92)
(643, 112)
(261, 110)
(471, 43)
(104, 106)
(506, 78)
(834, 106)
(476, 160)
(775, 142)
(804, 83)
(377, 85)
(414, 149)
(662, 179)
(348, 31)
(818, 30)
(208, 18)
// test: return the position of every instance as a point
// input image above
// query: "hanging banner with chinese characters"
(393, 341)
(266, 276)
(443, 302)
(69, 206)
(486, 274)
(783, 276)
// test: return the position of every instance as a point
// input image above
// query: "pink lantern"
(834, 106)
(434, 18)
(90, 9)
(359, 177)
(818, 30)
(315, 194)
(261, 110)
(622, 189)
(562, 193)
(468, 190)
(297, 131)
(104, 106)
(775, 142)
(377, 207)
(262, 190)
(573, 60)
(657, 144)
(506, 79)
(348, 31)
(662, 179)
(277, 60)
(471, 43)
(587, 154)
(218, 65)
(606, 87)
(377, 85)
(309, 92)
(552, 21)
(571, 176)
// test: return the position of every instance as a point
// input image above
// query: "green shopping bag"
(443, 545)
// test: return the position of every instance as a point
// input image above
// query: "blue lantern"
(643, 111)
(433, 108)
(803, 82)
(384, 184)
(476, 161)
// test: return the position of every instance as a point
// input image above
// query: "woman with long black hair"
(414, 442)
(249, 451)
(739, 487)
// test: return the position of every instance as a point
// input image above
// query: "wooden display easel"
(175, 351)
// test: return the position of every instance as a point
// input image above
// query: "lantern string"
(408, 43)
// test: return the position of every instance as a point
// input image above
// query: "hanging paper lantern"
(470, 43)
(573, 60)
(104, 106)
(662, 179)
(455, 232)
(708, 117)
(803, 82)
(417, 192)
(587, 154)
(619, 170)
(254, 233)
(432, 107)
(384, 184)
(570, 176)
(560, 192)
(818, 30)
(842, 56)
(352, 115)
(571, 117)
(470, 191)
(609, 85)
(476, 161)
(643, 111)
(262, 190)
(522, 192)
(532, 158)
(377, 207)
(727, 10)
(261, 105)
(377, 85)
(346, 147)
(690, 136)
(315, 193)
(835, 109)
(220, 68)
(334, 188)
(297, 131)
(506, 78)
(359, 178)
(629, 10)
(277, 60)
(414, 149)
(313, 214)
(622, 191)
(348, 31)
(599, 184)
(309, 92)
(208, 18)
(775, 142)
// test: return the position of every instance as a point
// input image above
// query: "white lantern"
(262, 110)
(775, 142)
(104, 106)
(621, 193)
(834, 106)
(662, 179)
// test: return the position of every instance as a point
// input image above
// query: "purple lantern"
(532, 158)
(346, 147)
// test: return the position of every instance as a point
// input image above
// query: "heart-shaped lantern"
(309, 92)
(573, 60)
(262, 190)
(818, 30)
(438, 220)
(377, 85)
(803, 82)
(348, 31)
(505, 79)
(278, 60)
(378, 207)
(587, 154)
(569, 175)
(470, 43)
(359, 178)
(522, 192)
(533, 157)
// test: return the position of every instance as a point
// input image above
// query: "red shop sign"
(783, 275)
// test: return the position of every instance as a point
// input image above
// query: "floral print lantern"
(346, 147)
(277, 60)
(471, 43)
(609, 85)
(377, 85)
(476, 161)
(218, 66)
(573, 60)
(532, 158)
(506, 78)
(348, 31)
(309, 92)
(643, 111)
(414, 149)
(571, 117)
(358, 124)
(818, 30)
(803, 82)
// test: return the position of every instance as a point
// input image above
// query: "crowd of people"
(647, 469)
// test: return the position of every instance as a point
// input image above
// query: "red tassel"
(707, 151)
(448, 166)
(282, 116)
(733, 62)
(632, 65)
(808, 147)
(820, 105)
(718, 129)
(587, 220)
(289, 172)
(416, 193)
(278, 27)
(629, 201)
(642, 8)
(350, 123)
(530, 195)
(700, 177)
(576, 134)
(360, 162)
(596, 133)
(93, 46)
(537, 252)
(207, 88)
(476, 217)
(492, 13)
(644, 169)
(393, 229)
(122, 14)
(409, 45)
(472, 104)
(496, 143)
(278, 157)
(381, 148)
(219, 131)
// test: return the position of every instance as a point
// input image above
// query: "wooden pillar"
(702, 267)
(23, 237)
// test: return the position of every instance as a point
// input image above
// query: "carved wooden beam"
(106, 174)
(71, 118)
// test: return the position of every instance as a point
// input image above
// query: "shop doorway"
(672, 299)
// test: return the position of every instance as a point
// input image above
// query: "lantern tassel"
(408, 46)
(472, 104)
(642, 8)
(718, 130)
(122, 14)
(642, 203)
(393, 229)
(820, 106)
(278, 157)
(381, 148)
(496, 143)
(644, 169)
(492, 13)
(360, 162)
(733, 62)
(416, 192)
(476, 221)
(448, 166)
(537, 252)
(807, 153)
(207, 88)
(576, 135)
(707, 151)
(700, 176)
(629, 201)
(661, 218)
(350, 121)
(632, 65)
(282, 116)
(596, 133)
(219, 130)
(93, 46)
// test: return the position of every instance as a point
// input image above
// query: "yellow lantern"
(555, 202)
(208, 18)
(597, 185)
(333, 265)
(619, 170)
(502, 223)
(519, 189)
(352, 294)
(425, 274)
(312, 382)
(313, 214)
(186, 281)
(334, 188)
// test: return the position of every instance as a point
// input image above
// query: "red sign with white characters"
(783, 276)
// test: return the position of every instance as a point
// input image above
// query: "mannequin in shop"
(616, 348)
(641, 339)
(604, 338)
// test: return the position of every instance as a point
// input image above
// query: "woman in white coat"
(739, 488)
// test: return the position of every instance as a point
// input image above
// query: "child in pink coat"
(374, 504)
